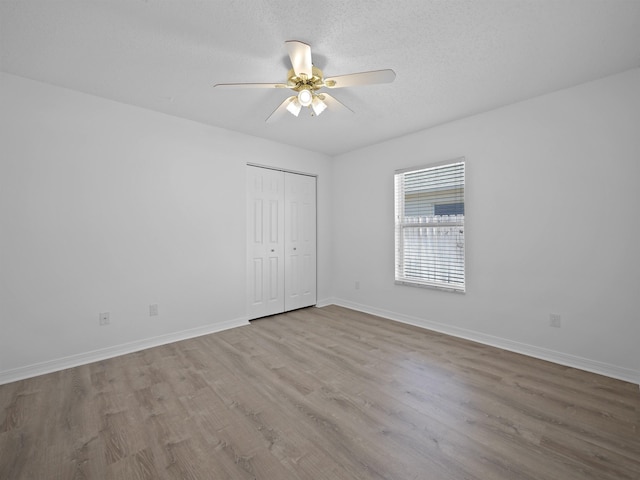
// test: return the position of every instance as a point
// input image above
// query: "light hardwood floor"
(321, 393)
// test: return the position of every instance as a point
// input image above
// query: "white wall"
(564, 168)
(106, 207)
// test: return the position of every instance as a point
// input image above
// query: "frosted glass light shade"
(318, 105)
(294, 107)
(305, 98)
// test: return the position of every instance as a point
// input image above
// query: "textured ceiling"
(453, 58)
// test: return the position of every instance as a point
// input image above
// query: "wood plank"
(321, 393)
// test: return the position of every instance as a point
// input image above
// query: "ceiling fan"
(306, 80)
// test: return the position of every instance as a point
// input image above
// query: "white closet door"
(300, 241)
(281, 241)
(265, 242)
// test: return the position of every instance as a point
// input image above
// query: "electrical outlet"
(555, 320)
(153, 310)
(357, 285)
(104, 319)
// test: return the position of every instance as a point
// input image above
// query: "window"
(429, 213)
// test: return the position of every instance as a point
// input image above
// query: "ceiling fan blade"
(251, 85)
(362, 78)
(282, 108)
(300, 55)
(333, 103)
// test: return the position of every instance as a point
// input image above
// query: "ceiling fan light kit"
(306, 79)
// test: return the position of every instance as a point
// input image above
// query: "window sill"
(432, 286)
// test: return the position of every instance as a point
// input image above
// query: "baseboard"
(109, 352)
(594, 366)
(561, 358)
(325, 302)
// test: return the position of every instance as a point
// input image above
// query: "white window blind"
(429, 222)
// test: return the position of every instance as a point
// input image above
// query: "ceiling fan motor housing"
(302, 82)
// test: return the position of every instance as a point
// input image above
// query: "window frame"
(400, 276)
